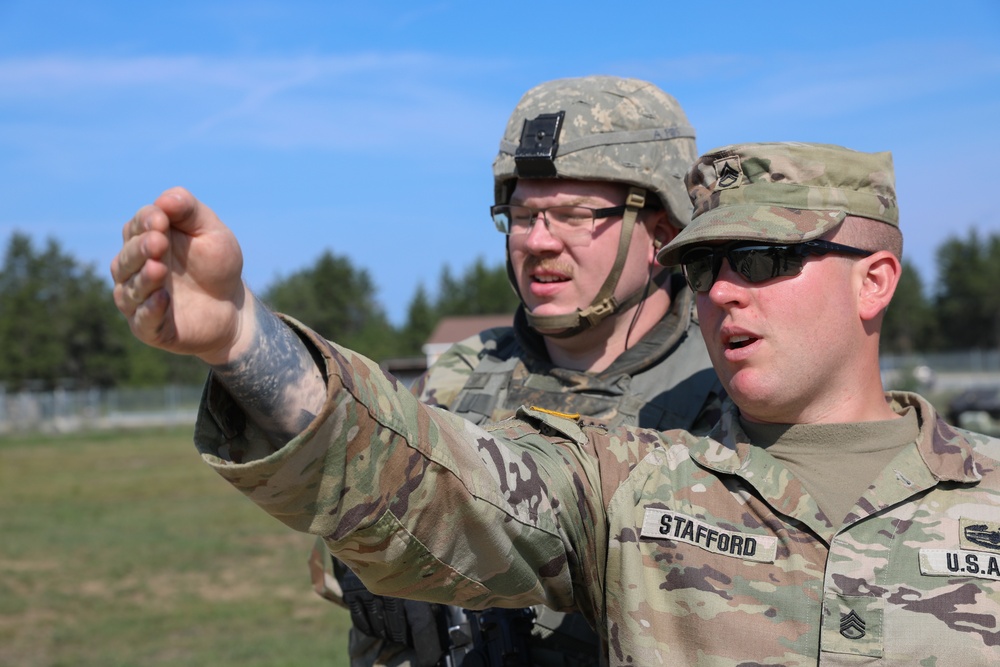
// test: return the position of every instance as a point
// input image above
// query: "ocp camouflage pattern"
(664, 380)
(683, 550)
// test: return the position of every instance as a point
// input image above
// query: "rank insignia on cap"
(728, 172)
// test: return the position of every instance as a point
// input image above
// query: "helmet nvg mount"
(599, 128)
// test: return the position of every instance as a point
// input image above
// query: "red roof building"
(450, 330)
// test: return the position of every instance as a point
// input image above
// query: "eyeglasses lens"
(572, 224)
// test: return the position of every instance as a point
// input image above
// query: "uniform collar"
(941, 453)
(946, 451)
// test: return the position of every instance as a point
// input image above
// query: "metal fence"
(979, 361)
(942, 372)
(63, 411)
(66, 410)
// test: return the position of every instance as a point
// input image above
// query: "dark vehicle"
(977, 399)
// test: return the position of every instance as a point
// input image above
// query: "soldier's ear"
(878, 276)
(663, 230)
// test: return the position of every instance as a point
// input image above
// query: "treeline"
(960, 311)
(59, 326)
(339, 301)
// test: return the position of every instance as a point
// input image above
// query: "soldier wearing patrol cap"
(822, 521)
(588, 186)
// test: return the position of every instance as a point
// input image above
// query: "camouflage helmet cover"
(614, 129)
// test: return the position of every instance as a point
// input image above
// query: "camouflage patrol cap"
(783, 192)
(611, 129)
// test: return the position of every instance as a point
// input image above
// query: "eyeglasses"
(574, 225)
(756, 262)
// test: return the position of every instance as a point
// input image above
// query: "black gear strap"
(419, 625)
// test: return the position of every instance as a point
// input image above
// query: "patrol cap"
(599, 128)
(783, 192)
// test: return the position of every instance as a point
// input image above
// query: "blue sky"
(369, 127)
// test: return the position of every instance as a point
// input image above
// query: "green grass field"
(124, 550)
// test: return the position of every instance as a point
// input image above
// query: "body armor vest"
(640, 388)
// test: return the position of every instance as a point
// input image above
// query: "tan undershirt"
(835, 463)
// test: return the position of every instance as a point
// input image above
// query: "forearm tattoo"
(277, 382)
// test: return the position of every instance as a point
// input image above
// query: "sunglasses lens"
(755, 263)
(699, 268)
(760, 263)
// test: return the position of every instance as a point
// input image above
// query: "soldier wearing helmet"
(589, 184)
(823, 521)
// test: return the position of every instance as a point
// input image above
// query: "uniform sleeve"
(419, 502)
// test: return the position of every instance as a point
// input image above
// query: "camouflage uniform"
(664, 381)
(609, 129)
(682, 550)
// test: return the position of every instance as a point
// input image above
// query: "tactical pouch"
(418, 625)
(500, 637)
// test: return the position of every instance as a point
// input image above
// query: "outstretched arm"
(178, 281)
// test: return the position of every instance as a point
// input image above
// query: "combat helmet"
(599, 128)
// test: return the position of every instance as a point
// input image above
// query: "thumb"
(185, 212)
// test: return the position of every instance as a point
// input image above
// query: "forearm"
(277, 381)
(376, 473)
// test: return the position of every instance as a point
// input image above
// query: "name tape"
(667, 525)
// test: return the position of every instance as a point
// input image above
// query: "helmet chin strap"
(604, 304)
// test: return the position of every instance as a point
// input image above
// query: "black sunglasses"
(756, 262)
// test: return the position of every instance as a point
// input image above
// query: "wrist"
(243, 332)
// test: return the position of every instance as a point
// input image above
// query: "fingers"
(146, 317)
(141, 295)
(145, 243)
(146, 239)
(140, 273)
(133, 287)
(175, 208)
(178, 275)
(143, 236)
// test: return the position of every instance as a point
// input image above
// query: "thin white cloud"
(371, 99)
(53, 76)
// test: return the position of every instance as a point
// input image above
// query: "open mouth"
(549, 279)
(736, 342)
